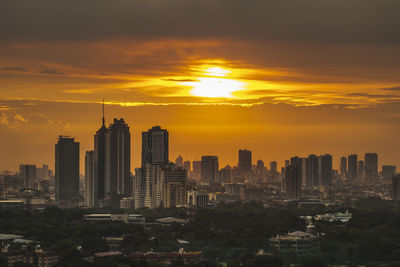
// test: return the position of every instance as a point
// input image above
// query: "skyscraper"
(179, 161)
(313, 180)
(325, 170)
(209, 169)
(396, 187)
(187, 166)
(196, 174)
(91, 186)
(99, 159)
(28, 175)
(343, 167)
(155, 146)
(273, 166)
(352, 167)
(388, 171)
(371, 166)
(118, 161)
(66, 171)
(244, 160)
(293, 182)
(139, 188)
(361, 170)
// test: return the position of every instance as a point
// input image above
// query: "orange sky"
(281, 79)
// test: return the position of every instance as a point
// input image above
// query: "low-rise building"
(299, 242)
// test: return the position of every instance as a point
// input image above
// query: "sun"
(215, 86)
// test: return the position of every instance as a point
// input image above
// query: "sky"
(280, 78)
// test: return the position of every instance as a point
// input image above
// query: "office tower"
(360, 170)
(352, 167)
(174, 188)
(273, 166)
(196, 170)
(244, 160)
(187, 166)
(396, 187)
(42, 172)
(139, 188)
(155, 146)
(91, 185)
(293, 182)
(66, 172)
(343, 167)
(209, 169)
(287, 163)
(99, 158)
(28, 175)
(260, 168)
(179, 161)
(325, 170)
(371, 166)
(313, 179)
(225, 175)
(118, 161)
(153, 185)
(388, 171)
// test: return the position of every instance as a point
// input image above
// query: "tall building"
(187, 166)
(273, 166)
(312, 180)
(388, 171)
(174, 189)
(179, 161)
(225, 175)
(99, 160)
(153, 186)
(361, 170)
(28, 175)
(396, 187)
(343, 167)
(66, 171)
(293, 182)
(325, 170)
(209, 169)
(42, 172)
(139, 188)
(118, 161)
(244, 160)
(155, 146)
(371, 166)
(91, 186)
(196, 169)
(352, 167)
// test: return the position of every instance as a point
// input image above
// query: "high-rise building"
(313, 180)
(118, 161)
(187, 166)
(361, 170)
(352, 167)
(325, 170)
(174, 186)
(343, 167)
(99, 160)
(273, 166)
(244, 160)
(139, 188)
(388, 171)
(371, 166)
(196, 174)
(42, 172)
(225, 175)
(293, 182)
(179, 161)
(209, 169)
(153, 186)
(91, 186)
(155, 146)
(396, 187)
(66, 171)
(28, 175)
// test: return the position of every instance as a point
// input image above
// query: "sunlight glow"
(214, 87)
(217, 71)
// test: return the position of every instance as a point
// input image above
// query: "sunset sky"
(280, 78)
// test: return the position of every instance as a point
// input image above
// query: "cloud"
(15, 69)
(16, 120)
(307, 20)
(53, 72)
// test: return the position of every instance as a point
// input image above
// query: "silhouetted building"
(293, 182)
(91, 186)
(352, 168)
(360, 170)
(388, 171)
(325, 170)
(225, 175)
(155, 146)
(313, 179)
(99, 160)
(273, 166)
(118, 162)
(244, 160)
(179, 161)
(139, 188)
(371, 166)
(187, 166)
(343, 167)
(196, 170)
(396, 187)
(42, 172)
(209, 169)
(28, 175)
(66, 171)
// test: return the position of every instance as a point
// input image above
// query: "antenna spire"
(104, 121)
